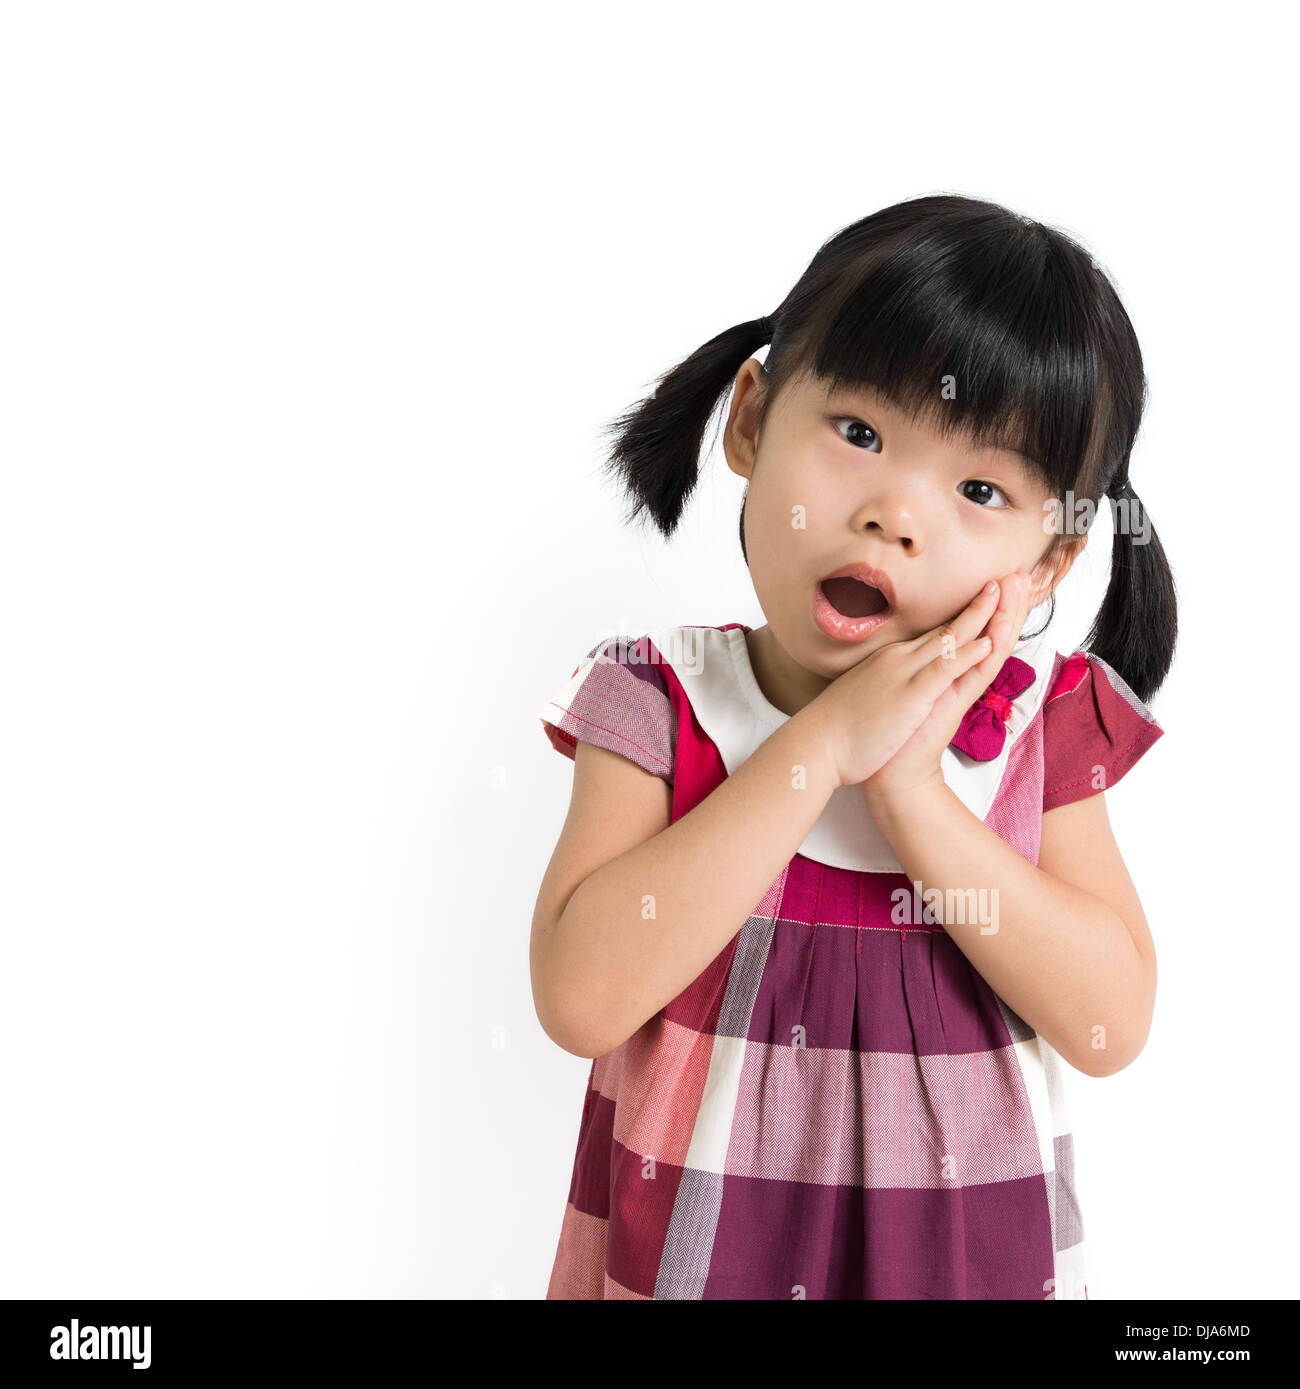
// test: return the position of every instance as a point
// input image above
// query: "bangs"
(985, 339)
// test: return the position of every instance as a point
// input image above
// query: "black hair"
(1015, 313)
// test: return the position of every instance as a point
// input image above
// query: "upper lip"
(877, 578)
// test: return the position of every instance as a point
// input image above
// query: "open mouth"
(853, 598)
(848, 608)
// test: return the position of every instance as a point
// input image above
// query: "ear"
(740, 437)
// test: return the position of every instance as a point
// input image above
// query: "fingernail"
(991, 586)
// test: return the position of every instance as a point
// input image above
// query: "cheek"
(797, 498)
(780, 536)
(769, 509)
(1019, 546)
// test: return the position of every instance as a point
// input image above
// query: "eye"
(985, 487)
(871, 437)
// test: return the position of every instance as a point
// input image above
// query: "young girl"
(835, 896)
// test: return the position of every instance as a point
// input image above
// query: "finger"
(972, 683)
(1027, 603)
(942, 671)
(1004, 628)
(1008, 621)
(951, 636)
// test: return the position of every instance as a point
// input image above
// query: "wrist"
(811, 746)
(896, 802)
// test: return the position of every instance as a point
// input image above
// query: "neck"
(785, 684)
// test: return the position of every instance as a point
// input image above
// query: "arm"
(1071, 953)
(601, 963)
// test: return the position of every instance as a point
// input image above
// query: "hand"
(867, 714)
(917, 762)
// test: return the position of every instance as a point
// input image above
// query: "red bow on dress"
(983, 729)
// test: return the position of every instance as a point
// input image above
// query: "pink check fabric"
(839, 1106)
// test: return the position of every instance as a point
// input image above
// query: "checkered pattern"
(838, 1106)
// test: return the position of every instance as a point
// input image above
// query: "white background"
(310, 316)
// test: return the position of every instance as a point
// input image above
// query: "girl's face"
(843, 479)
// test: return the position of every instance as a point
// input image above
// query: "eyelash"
(1010, 500)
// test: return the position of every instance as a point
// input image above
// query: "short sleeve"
(617, 698)
(1094, 729)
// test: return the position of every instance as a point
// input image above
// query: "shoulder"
(618, 696)
(1094, 729)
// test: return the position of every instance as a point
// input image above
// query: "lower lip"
(841, 628)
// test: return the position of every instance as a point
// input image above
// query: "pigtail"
(656, 449)
(1136, 628)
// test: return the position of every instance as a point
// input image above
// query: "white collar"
(715, 671)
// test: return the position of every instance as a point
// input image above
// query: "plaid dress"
(838, 1106)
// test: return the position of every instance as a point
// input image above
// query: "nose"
(890, 519)
(888, 533)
